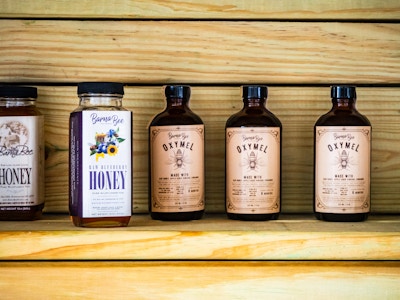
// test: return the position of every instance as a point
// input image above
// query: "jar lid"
(10, 91)
(177, 91)
(254, 91)
(100, 88)
(343, 91)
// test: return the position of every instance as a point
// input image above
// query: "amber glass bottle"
(21, 154)
(342, 159)
(100, 157)
(176, 160)
(253, 159)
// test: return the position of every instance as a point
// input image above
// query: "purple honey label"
(100, 164)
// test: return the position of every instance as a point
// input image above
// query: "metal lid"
(18, 92)
(100, 88)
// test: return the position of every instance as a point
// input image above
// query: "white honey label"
(253, 170)
(100, 164)
(177, 168)
(21, 162)
(342, 169)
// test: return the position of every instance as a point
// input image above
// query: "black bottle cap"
(100, 88)
(343, 92)
(255, 91)
(18, 91)
(177, 91)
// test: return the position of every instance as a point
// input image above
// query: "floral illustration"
(106, 143)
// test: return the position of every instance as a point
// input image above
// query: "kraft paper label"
(177, 168)
(342, 169)
(253, 170)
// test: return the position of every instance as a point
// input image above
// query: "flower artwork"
(106, 144)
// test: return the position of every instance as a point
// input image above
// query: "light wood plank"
(214, 238)
(297, 107)
(201, 9)
(199, 52)
(293, 223)
(200, 280)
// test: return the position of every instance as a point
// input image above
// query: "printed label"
(177, 168)
(100, 161)
(342, 169)
(253, 170)
(21, 162)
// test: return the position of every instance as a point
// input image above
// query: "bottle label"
(100, 164)
(342, 169)
(177, 168)
(253, 170)
(21, 162)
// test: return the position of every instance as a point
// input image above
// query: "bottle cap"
(100, 88)
(18, 92)
(177, 91)
(343, 92)
(254, 91)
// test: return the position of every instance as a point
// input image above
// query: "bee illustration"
(179, 160)
(252, 161)
(343, 160)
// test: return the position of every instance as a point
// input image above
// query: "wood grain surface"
(200, 280)
(203, 9)
(300, 237)
(223, 52)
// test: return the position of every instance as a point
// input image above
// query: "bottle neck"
(15, 102)
(344, 103)
(94, 100)
(254, 102)
(177, 102)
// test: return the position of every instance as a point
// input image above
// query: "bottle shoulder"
(253, 118)
(343, 118)
(176, 117)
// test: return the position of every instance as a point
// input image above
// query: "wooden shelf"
(298, 48)
(293, 237)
